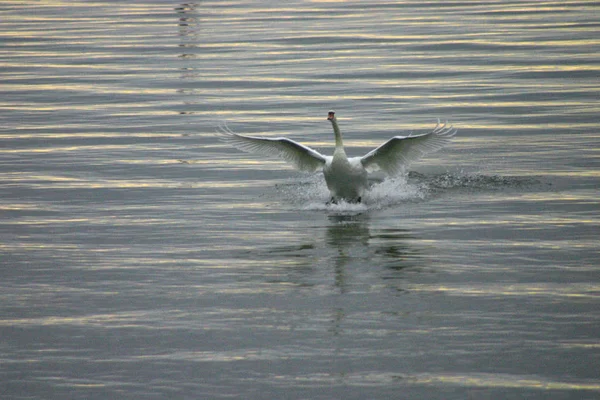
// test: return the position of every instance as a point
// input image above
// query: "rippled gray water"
(142, 258)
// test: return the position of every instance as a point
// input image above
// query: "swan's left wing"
(399, 151)
(302, 157)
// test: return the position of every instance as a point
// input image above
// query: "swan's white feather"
(302, 157)
(395, 154)
(346, 177)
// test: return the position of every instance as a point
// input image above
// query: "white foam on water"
(312, 194)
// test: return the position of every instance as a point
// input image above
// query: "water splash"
(311, 192)
(479, 182)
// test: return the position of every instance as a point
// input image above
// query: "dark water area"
(141, 257)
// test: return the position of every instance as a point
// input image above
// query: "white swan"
(346, 177)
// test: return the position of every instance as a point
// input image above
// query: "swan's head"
(331, 116)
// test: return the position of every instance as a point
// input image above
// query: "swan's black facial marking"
(331, 115)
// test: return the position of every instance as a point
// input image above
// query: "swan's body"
(346, 177)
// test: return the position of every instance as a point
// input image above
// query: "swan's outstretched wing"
(302, 157)
(399, 151)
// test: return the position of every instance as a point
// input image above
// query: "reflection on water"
(189, 34)
(349, 238)
(350, 257)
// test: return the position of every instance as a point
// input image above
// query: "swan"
(346, 178)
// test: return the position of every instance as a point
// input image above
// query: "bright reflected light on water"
(143, 258)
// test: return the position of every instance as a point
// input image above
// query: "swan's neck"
(339, 145)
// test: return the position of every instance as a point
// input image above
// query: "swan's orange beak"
(330, 116)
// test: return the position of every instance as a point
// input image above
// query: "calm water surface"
(142, 258)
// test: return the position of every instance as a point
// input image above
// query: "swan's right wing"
(302, 157)
(392, 156)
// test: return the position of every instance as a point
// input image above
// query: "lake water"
(141, 258)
